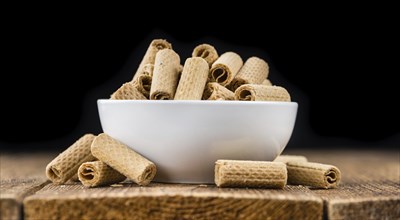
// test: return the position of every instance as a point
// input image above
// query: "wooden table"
(370, 189)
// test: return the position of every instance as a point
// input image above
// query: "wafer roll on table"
(128, 91)
(193, 79)
(254, 71)
(98, 173)
(165, 75)
(254, 92)
(241, 173)
(65, 165)
(313, 174)
(290, 158)
(267, 82)
(214, 91)
(225, 68)
(149, 57)
(123, 159)
(207, 52)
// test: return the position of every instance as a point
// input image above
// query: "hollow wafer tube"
(123, 159)
(128, 91)
(143, 81)
(254, 71)
(267, 82)
(290, 158)
(193, 79)
(98, 173)
(225, 68)
(149, 57)
(214, 91)
(207, 52)
(165, 75)
(313, 174)
(65, 165)
(240, 173)
(254, 92)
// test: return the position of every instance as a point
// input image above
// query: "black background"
(339, 67)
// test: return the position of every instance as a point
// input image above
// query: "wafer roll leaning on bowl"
(127, 91)
(214, 91)
(290, 158)
(97, 173)
(225, 68)
(123, 159)
(165, 75)
(65, 166)
(241, 173)
(255, 92)
(207, 52)
(193, 79)
(254, 71)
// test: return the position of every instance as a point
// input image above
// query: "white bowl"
(185, 138)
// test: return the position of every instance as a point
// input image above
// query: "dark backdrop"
(340, 72)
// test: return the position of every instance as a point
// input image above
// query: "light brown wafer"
(290, 158)
(193, 79)
(143, 81)
(313, 174)
(254, 71)
(150, 55)
(128, 91)
(254, 92)
(267, 82)
(214, 91)
(165, 75)
(123, 159)
(97, 173)
(207, 52)
(225, 68)
(65, 165)
(240, 173)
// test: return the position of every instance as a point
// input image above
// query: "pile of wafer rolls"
(206, 75)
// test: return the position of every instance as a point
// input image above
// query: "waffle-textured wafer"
(128, 91)
(290, 158)
(313, 174)
(214, 91)
(143, 81)
(225, 68)
(241, 173)
(123, 159)
(98, 173)
(254, 92)
(207, 52)
(267, 82)
(65, 165)
(150, 55)
(74, 178)
(193, 79)
(254, 71)
(165, 75)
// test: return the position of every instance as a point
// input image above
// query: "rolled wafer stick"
(254, 71)
(207, 52)
(214, 91)
(74, 178)
(128, 91)
(143, 81)
(149, 57)
(98, 173)
(254, 92)
(123, 159)
(313, 174)
(290, 158)
(165, 75)
(267, 82)
(236, 173)
(193, 79)
(225, 68)
(65, 165)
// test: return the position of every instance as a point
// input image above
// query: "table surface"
(370, 189)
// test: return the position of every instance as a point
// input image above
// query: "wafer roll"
(254, 71)
(267, 82)
(313, 174)
(237, 173)
(290, 158)
(65, 165)
(214, 91)
(128, 91)
(74, 178)
(165, 75)
(123, 159)
(150, 55)
(225, 68)
(254, 92)
(97, 173)
(193, 79)
(207, 52)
